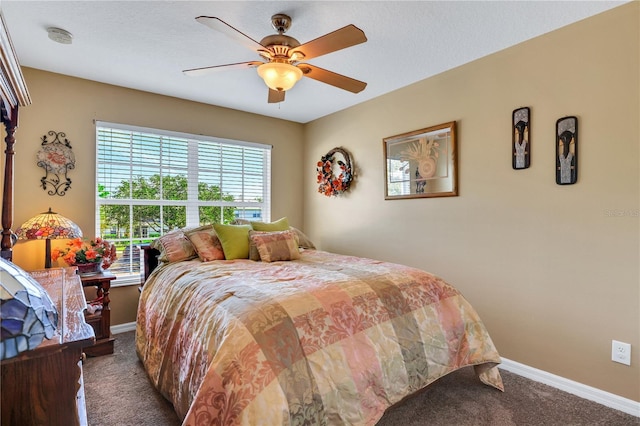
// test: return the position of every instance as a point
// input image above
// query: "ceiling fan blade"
(329, 77)
(276, 96)
(339, 39)
(207, 70)
(219, 25)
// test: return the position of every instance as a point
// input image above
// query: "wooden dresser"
(44, 386)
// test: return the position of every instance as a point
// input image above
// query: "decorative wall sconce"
(56, 158)
(567, 150)
(521, 142)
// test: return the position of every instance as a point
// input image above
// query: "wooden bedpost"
(13, 94)
(10, 121)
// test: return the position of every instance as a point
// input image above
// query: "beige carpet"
(119, 393)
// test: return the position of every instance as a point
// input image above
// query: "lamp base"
(47, 254)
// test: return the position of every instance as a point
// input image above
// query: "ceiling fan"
(284, 54)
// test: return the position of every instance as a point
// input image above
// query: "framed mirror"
(421, 163)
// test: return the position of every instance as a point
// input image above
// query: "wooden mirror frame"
(432, 153)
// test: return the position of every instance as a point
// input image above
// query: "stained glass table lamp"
(48, 226)
(27, 314)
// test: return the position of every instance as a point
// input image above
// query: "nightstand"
(101, 319)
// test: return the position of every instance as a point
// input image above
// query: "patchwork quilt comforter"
(324, 340)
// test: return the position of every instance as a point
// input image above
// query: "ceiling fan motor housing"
(276, 40)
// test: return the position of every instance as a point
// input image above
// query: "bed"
(319, 339)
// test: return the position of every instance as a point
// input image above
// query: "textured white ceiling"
(145, 45)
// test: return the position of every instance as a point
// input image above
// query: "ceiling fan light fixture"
(279, 76)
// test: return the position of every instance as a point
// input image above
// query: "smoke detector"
(59, 35)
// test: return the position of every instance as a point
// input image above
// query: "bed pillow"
(275, 246)
(303, 241)
(281, 224)
(174, 247)
(254, 254)
(234, 240)
(206, 243)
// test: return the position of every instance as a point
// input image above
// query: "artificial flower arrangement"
(80, 252)
(329, 184)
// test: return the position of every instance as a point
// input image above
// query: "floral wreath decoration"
(328, 183)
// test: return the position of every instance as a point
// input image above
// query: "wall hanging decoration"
(567, 150)
(56, 158)
(421, 163)
(521, 142)
(334, 175)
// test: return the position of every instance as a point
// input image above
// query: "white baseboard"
(123, 328)
(608, 399)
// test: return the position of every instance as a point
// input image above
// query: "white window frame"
(192, 203)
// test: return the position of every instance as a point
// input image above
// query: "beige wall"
(71, 105)
(553, 275)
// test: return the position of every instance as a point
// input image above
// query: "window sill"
(127, 281)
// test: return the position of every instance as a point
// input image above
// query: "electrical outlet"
(621, 352)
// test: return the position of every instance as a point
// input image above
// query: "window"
(150, 182)
(399, 177)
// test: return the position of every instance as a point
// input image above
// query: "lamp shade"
(28, 315)
(279, 76)
(48, 226)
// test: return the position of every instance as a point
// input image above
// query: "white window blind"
(150, 182)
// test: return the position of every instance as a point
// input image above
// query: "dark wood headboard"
(13, 94)
(150, 256)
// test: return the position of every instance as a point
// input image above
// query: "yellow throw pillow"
(279, 225)
(234, 240)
